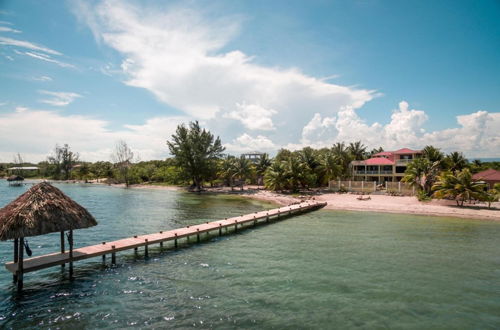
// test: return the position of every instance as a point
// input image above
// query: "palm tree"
(432, 153)
(242, 169)
(261, 167)
(329, 167)
(459, 186)
(421, 173)
(456, 161)
(297, 173)
(375, 151)
(228, 170)
(357, 150)
(344, 157)
(275, 176)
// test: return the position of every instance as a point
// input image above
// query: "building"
(385, 166)
(254, 157)
(489, 176)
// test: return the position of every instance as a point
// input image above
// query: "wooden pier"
(111, 248)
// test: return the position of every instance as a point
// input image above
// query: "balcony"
(403, 162)
(362, 172)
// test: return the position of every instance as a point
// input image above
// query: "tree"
(242, 169)
(228, 170)
(433, 154)
(375, 151)
(63, 161)
(342, 154)
(18, 162)
(456, 161)
(275, 176)
(193, 149)
(123, 157)
(261, 167)
(328, 168)
(459, 186)
(357, 150)
(421, 173)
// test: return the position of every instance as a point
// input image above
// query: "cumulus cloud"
(247, 143)
(253, 116)
(180, 56)
(59, 99)
(477, 136)
(91, 137)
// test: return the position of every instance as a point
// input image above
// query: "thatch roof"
(15, 178)
(41, 210)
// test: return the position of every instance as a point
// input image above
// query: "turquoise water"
(324, 269)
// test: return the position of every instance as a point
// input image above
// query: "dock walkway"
(54, 259)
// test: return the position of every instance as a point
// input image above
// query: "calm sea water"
(324, 269)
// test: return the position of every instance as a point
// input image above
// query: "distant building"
(384, 166)
(489, 176)
(254, 157)
(29, 169)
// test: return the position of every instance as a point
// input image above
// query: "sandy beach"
(389, 204)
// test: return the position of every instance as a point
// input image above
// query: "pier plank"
(54, 259)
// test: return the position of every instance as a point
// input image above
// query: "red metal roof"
(383, 153)
(378, 161)
(406, 151)
(487, 175)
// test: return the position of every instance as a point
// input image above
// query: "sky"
(262, 75)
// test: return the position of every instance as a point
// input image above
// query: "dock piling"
(146, 252)
(62, 246)
(175, 240)
(113, 255)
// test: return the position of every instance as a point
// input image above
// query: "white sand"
(391, 204)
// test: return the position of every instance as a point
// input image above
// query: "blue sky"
(262, 75)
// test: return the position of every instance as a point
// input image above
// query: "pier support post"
(20, 264)
(146, 250)
(135, 249)
(103, 258)
(254, 221)
(161, 243)
(278, 214)
(62, 246)
(220, 229)
(235, 226)
(267, 217)
(70, 241)
(16, 257)
(113, 255)
(198, 235)
(175, 241)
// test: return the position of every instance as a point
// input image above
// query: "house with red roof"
(384, 166)
(489, 176)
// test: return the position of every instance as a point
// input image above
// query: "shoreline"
(340, 202)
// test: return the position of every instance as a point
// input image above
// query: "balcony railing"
(372, 172)
(403, 162)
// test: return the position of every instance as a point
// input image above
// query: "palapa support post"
(70, 241)
(198, 235)
(62, 246)
(113, 255)
(20, 264)
(146, 250)
(16, 257)
(175, 240)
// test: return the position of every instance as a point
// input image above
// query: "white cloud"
(179, 56)
(91, 137)
(45, 58)
(246, 143)
(8, 29)
(477, 136)
(42, 78)
(253, 116)
(27, 45)
(59, 99)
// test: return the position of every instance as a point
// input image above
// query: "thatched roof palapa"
(41, 210)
